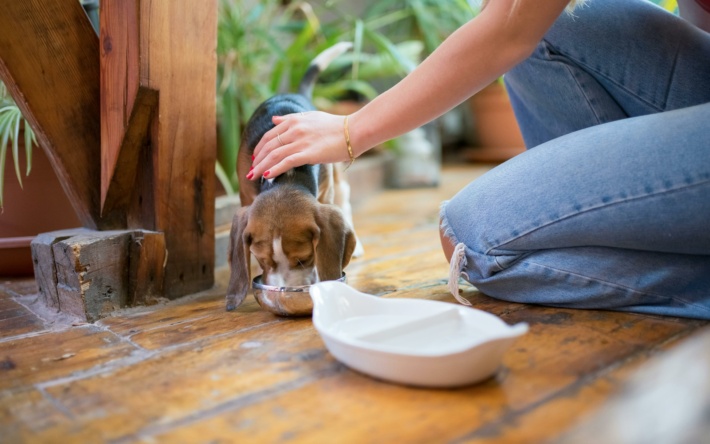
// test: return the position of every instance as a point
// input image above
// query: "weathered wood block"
(44, 267)
(92, 273)
(89, 274)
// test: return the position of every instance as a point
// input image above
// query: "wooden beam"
(123, 173)
(120, 82)
(49, 60)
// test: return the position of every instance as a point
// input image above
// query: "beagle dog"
(299, 224)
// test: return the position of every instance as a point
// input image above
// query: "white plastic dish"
(410, 341)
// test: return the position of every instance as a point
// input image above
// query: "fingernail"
(253, 157)
(251, 167)
(266, 173)
(250, 175)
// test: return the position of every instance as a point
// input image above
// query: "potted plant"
(30, 205)
(417, 155)
(265, 47)
(494, 134)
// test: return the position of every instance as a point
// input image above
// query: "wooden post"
(128, 121)
(170, 48)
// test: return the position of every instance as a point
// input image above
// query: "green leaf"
(5, 116)
(335, 90)
(224, 179)
(425, 25)
(29, 138)
(295, 52)
(380, 21)
(3, 153)
(384, 44)
(16, 149)
(230, 133)
(357, 47)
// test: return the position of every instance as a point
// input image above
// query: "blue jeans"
(611, 208)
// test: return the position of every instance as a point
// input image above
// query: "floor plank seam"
(232, 405)
(141, 354)
(31, 334)
(136, 356)
(56, 403)
(52, 319)
(157, 327)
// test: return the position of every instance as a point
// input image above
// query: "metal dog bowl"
(285, 301)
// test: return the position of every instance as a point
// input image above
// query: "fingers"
(272, 140)
(279, 167)
(295, 140)
(277, 161)
(270, 135)
(276, 152)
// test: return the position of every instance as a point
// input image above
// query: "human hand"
(312, 137)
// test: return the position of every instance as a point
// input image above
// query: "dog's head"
(295, 239)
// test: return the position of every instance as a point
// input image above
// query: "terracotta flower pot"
(497, 135)
(40, 206)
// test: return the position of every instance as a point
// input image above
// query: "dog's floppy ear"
(239, 259)
(335, 245)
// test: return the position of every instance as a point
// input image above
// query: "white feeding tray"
(410, 341)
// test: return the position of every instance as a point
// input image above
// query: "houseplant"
(417, 154)
(265, 47)
(32, 204)
(12, 127)
(494, 133)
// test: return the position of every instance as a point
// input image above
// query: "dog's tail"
(319, 64)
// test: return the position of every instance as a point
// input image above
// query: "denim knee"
(474, 258)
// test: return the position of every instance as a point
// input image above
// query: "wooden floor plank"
(187, 371)
(48, 356)
(189, 381)
(15, 319)
(25, 412)
(353, 408)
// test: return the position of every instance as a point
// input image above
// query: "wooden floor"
(187, 371)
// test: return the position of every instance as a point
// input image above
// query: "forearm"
(692, 12)
(476, 54)
(471, 58)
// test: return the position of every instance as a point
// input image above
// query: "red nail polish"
(251, 167)
(250, 175)
(252, 157)
(266, 173)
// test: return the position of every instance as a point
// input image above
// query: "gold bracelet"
(347, 142)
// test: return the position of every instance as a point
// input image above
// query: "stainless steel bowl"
(284, 301)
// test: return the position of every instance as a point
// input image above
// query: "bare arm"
(472, 57)
(692, 12)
